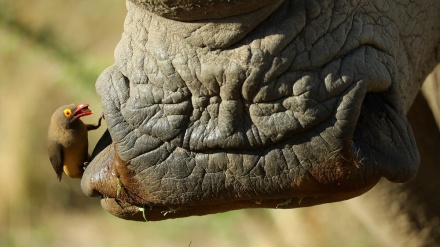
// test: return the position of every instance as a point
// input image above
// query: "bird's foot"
(85, 164)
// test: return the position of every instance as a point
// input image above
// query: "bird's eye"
(67, 112)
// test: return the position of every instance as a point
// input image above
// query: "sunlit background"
(51, 53)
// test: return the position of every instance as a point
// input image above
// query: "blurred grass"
(51, 53)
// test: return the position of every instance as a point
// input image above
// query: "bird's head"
(69, 114)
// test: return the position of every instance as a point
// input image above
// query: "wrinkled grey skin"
(285, 104)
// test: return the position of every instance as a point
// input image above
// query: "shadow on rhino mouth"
(384, 140)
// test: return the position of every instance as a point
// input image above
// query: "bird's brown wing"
(56, 157)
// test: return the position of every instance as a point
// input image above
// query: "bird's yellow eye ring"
(67, 112)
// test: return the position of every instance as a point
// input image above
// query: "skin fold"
(285, 104)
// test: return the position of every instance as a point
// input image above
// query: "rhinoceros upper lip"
(241, 125)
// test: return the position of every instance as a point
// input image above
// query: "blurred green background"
(51, 53)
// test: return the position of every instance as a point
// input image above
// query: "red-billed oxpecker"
(68, 141)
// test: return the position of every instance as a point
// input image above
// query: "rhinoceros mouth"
(262, 121)
(320, 125)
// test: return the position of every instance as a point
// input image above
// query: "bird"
(67, 140)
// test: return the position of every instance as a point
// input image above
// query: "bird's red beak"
(82, 110)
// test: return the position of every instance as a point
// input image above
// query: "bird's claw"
(102, 116)
(85, 164)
